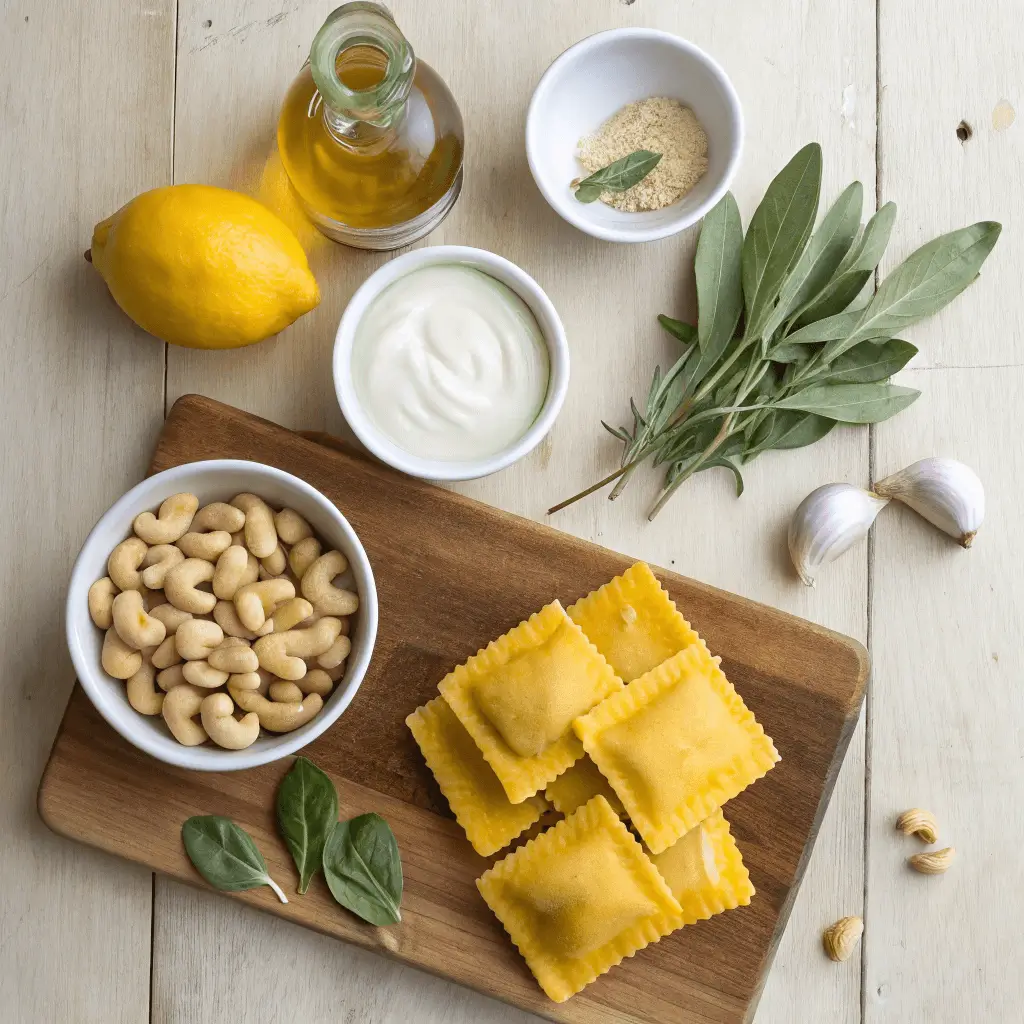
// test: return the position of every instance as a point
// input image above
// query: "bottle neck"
(363, 68)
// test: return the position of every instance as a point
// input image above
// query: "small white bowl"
(597, 77)
(214, 480)
(502, 270)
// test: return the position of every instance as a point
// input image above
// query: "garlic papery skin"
(946, 492)
(827, 522)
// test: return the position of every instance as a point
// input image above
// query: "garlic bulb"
(827, 522)
(946, 492)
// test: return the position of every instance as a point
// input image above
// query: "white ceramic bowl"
(509, 274)
(215, 480)
(597, 77)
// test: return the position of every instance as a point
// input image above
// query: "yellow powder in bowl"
(663, 126)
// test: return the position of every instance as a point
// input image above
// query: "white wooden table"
(103, 100)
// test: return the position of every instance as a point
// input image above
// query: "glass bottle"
(370, 137)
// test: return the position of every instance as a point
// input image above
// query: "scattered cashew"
(197, 638)
(218, 515)
(234, 659)
(274, 716)
(101, 602)
(159, 559)
(276, 562)
(181, 582)
(205, 545)
(142, 693)
(166, 654)
(134, 626)
(217, 714)
(245, 680)
(316, 680)
(260, 532)
(169, 678)
(303, 554)
(227, 618)
(170, 616)
(291, 527)
(336, 654)
(285, 692)
(291, 613)
(232, 565)
(173, 519)
(117, 658)
(255, 601)
(199, 673)
(317, 585)
(282, 653)
(123, 564)
(180, 707)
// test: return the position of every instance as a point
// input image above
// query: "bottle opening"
(361, 67)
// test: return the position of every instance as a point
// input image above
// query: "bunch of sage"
(783, 349)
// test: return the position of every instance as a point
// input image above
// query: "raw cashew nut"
(255, 601)
(101, 602)
(117, 658)
(282, 653)
(196, 638)
(134, 626)
(227, 618)
(159, 559)
(234, 659)
(142, 692)
(303, 554)
(181, 582)
(217, 713)
(166, 654)
(346, 626)
(123, 564)
(173, 519)
(336, 654)
(260, 532)
(169, 678)
(334, 674)
(170, 616)
(276, 562)
(316, 680)
(199, 673)
(274, 716)
(291, 527)
(232, 566)
(317, 585)
(245, 680)
(218, 515)
(291, 613)
(285, 692)
(205, 545)
(181, 705)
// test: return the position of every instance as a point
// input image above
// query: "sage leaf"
(788, 430)
(868, 362)
(679, 329)
(831, 328)
(718, 271)
(928, 279)
(787, 353)
(851, 403)
(307, 809)
(225, 855)
(617, 176)
(619, 432)
(364, 870)
(778, 232)
(727, 462)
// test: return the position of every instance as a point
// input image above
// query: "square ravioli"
(579, 898)
(518, 697)
(676, 744)
(578, 784)
(473, 792)
(705, 871)
(633, 622)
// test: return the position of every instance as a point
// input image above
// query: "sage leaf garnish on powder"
(617, 176)
(225, 855)
(778, 357)
(307, 810)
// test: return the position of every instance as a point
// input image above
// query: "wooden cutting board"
(451, 575)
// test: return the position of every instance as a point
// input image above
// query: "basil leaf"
(778, 233)
(679, 329)
(851, 403)
(618, 176)
(868, 362)
(307, 809)
(225, 855)
(364, 870)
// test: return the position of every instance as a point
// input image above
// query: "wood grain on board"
(452, 574)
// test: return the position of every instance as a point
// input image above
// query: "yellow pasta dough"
(676, 744)
(705, 871)
(518, 697)
(578, 784)
(473, 792)
(633, 622)
(579, 898)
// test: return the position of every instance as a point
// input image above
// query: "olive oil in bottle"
(370, 137)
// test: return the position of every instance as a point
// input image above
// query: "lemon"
(203, 267)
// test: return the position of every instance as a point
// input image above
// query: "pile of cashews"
(224, 619)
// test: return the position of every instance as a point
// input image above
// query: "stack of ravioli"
(613, 709)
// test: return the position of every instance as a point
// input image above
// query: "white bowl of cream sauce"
(450, 363)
